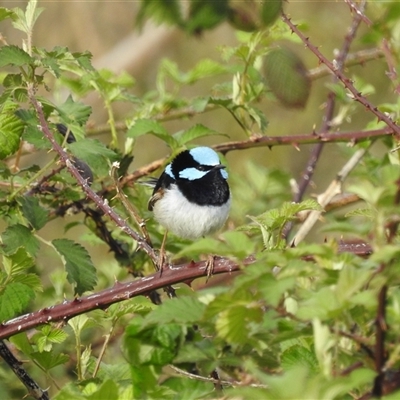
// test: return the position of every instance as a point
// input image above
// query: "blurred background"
(107, 29)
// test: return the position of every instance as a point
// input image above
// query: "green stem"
(111, 121)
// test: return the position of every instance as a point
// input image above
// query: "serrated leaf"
(155, 345)
(11, 129)
(95, 154)
(12, 80)
(203, 69)
(287, 77)
(47, 336)
(74, 112)
(148, 126)
(18, 235)
(14, 55)
(298, 355)
(194, 132)
(231, 323)
(77, 262)
(182, 310)
(14, 299)
(18, 262)
(49, 360)
(108, 390)
(34, 212)
(5, 13)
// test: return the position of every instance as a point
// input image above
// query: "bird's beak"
(219, 166)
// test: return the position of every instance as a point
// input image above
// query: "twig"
(33, 388)
(356, 58)
(84, 184)
(357, 95)
(263, 141)
(324, 199)
(316, 152)
(215, 381)
(359, 12)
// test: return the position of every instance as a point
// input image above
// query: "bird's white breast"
(188, 220)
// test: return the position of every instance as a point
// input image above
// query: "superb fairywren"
(192, 198)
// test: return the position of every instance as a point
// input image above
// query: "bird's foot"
(210, 266)
(162, 262)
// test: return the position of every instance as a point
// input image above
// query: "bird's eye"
(202, 168)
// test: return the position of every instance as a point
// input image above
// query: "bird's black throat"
(210, 190)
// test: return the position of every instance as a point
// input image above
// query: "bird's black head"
(199, 175)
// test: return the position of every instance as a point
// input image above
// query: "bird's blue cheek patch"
(191, 174)
(169, 172)
(224, 174)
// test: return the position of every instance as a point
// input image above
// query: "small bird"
(191, 197)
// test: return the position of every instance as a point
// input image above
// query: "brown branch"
(172, 275)
(33, 388)
(256, 141)
(357, 95)
(297, 140)
(65, 158)
(316, 152)
(119, 292)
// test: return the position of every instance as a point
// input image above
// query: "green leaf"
(74, 112)
(108, 390)
(79, 266)
(17, 236)
(162, 11)
(194, 132)
(49, 360)
(182, 310)
(11, 128)
(33, 212)
(287, 77)
(148, 126)
(93, 152)
(52, 334)
(298, 355)
(25, 21)
(231, 323)
(270, 11)
(203, 69)
(21, 341)
(206, 14)
(154, 345)
(5, 13)
(14, 55)
(14, 299)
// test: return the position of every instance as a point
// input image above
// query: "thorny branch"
(84, 184)
(316, 152)
(172, 275)
(357, 95)
(33, 388)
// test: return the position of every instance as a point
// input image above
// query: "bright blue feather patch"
(224, 174)
(191, 174)
(205, 156)
(169, 172)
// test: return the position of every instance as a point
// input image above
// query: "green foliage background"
(299, 322)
